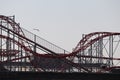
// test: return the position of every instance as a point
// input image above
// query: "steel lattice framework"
(21, 50)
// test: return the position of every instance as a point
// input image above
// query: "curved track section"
(21, 50)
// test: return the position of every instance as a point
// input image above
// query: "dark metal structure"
(57, 76)
(23, 51)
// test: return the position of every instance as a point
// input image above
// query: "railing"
(43, 42)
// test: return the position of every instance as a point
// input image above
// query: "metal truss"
(21, 50)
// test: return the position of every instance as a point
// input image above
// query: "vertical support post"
(13, 47)
(8, 48)
(35, 50)
(1, 42)
(100, 50)
(35, 44)
(111, 50)
(90, 54)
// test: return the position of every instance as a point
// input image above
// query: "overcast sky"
(63, 22)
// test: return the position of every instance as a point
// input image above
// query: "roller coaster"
(23, 51)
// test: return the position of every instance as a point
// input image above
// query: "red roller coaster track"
(22, 50)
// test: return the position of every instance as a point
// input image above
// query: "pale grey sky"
(63, 22)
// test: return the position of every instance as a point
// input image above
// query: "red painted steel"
(20, 40)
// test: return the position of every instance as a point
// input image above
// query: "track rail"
(16, 36)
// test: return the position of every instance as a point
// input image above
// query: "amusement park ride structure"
(21, 50)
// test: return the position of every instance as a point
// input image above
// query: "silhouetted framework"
(23, 51)
(57, 76)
